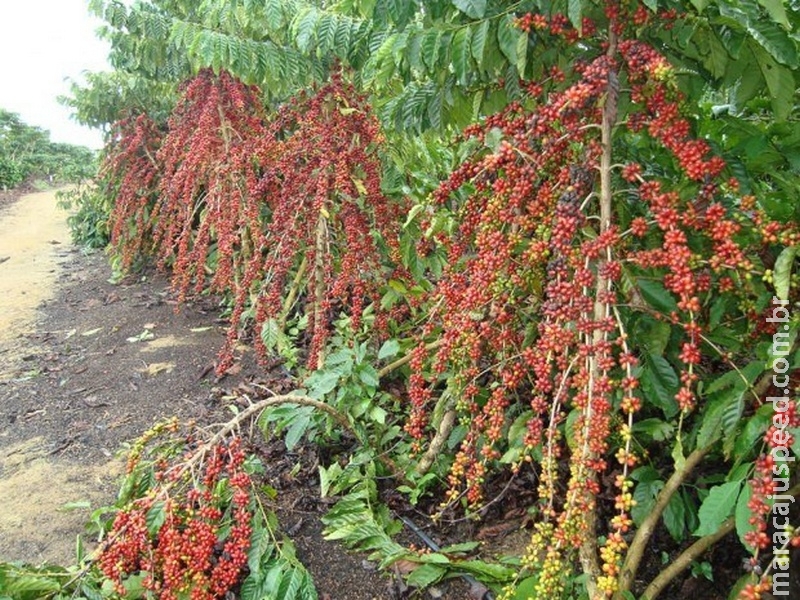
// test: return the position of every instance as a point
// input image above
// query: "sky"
(43, 42)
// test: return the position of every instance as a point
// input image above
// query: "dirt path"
(34, 244)
(33, 236)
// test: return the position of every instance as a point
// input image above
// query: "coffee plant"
(188, 523)
(205, 202)
(171, 535)
(11, 174)
(330, 226)
(129, 174)
(89, 210)
(569, 254)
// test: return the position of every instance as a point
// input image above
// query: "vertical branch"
(319, 282)
(223, 127)
(294, 290)
(588, 554)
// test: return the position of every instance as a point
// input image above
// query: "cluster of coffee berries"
(188, 530)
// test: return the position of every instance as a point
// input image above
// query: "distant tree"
(26, 151)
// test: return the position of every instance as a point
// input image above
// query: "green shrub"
(88, 220)
(11, 173)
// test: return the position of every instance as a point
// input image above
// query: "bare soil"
(87, 366)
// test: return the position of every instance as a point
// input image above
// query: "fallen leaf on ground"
(78, 505)
(154, 369)
(234, 369)
(92, 332)
(404, 567)
(144, 336)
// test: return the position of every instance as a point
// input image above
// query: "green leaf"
(487, 571)
(777, 11)
(660, 383)
(475, 9)
(569, 428)
(297, 430)
(323, 382)
(134, 586)
(522, 53)
(369, 376)
(782, 274)
(436, 558)
(30, 586)
(780, 81)
(480, 34)
(734, 379)
(732, 413)
(507, 36)
(719, 308)
(575, 13)
(721, 416)
(260, 547)
(77, 505)
(715, 56)
(700, 5)
(401, 11)
(777, 42)
(718, 506)
(463, 547)
(327, 477)
(753, 429)
(271, 334)
(389, 349)
(291, 583)
(656, 429)
(155, 517)
(426, 575)
(378, 414)
(741, 583)
(652, 334)
(326, 34)
(461, 53)
(645, 495)
(743, 514)
(678, 456)
(305, 29)
(657, 295)
(430, 48)
(675, 517)
(273, 11)
(646, 473)
(526, 588)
